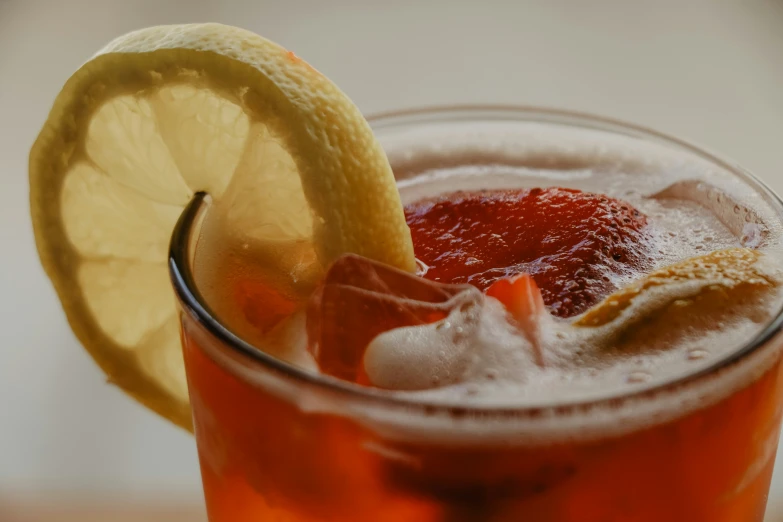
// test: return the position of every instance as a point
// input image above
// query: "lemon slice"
(693, 297)
(167, 111)
(731, 274)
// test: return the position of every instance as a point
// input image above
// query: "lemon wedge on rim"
(160, 114)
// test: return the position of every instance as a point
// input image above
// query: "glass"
(278, 443)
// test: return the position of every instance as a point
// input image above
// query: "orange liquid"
(264, 458)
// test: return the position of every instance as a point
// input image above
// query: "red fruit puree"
(571, 242)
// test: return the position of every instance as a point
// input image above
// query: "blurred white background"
(709, 71)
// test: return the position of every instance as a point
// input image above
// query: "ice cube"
(359, 299)
(741, 220)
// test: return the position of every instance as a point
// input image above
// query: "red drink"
(540, 417)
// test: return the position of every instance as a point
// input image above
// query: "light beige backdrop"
(710, 71)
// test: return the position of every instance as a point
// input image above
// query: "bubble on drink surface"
(421, 268)
(697, 354)
(638, 376)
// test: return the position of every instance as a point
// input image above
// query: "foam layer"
(683, 223)
(690, 214)
(474, 345)
(672, 323)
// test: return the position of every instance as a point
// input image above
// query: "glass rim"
(193, 302)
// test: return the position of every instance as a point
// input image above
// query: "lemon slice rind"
(344, 174)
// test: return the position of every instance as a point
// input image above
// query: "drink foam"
(695, 205)
(693, 208)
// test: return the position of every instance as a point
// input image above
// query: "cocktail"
(538, 316)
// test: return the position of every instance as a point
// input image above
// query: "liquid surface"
(684, 211)
(668, 333)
